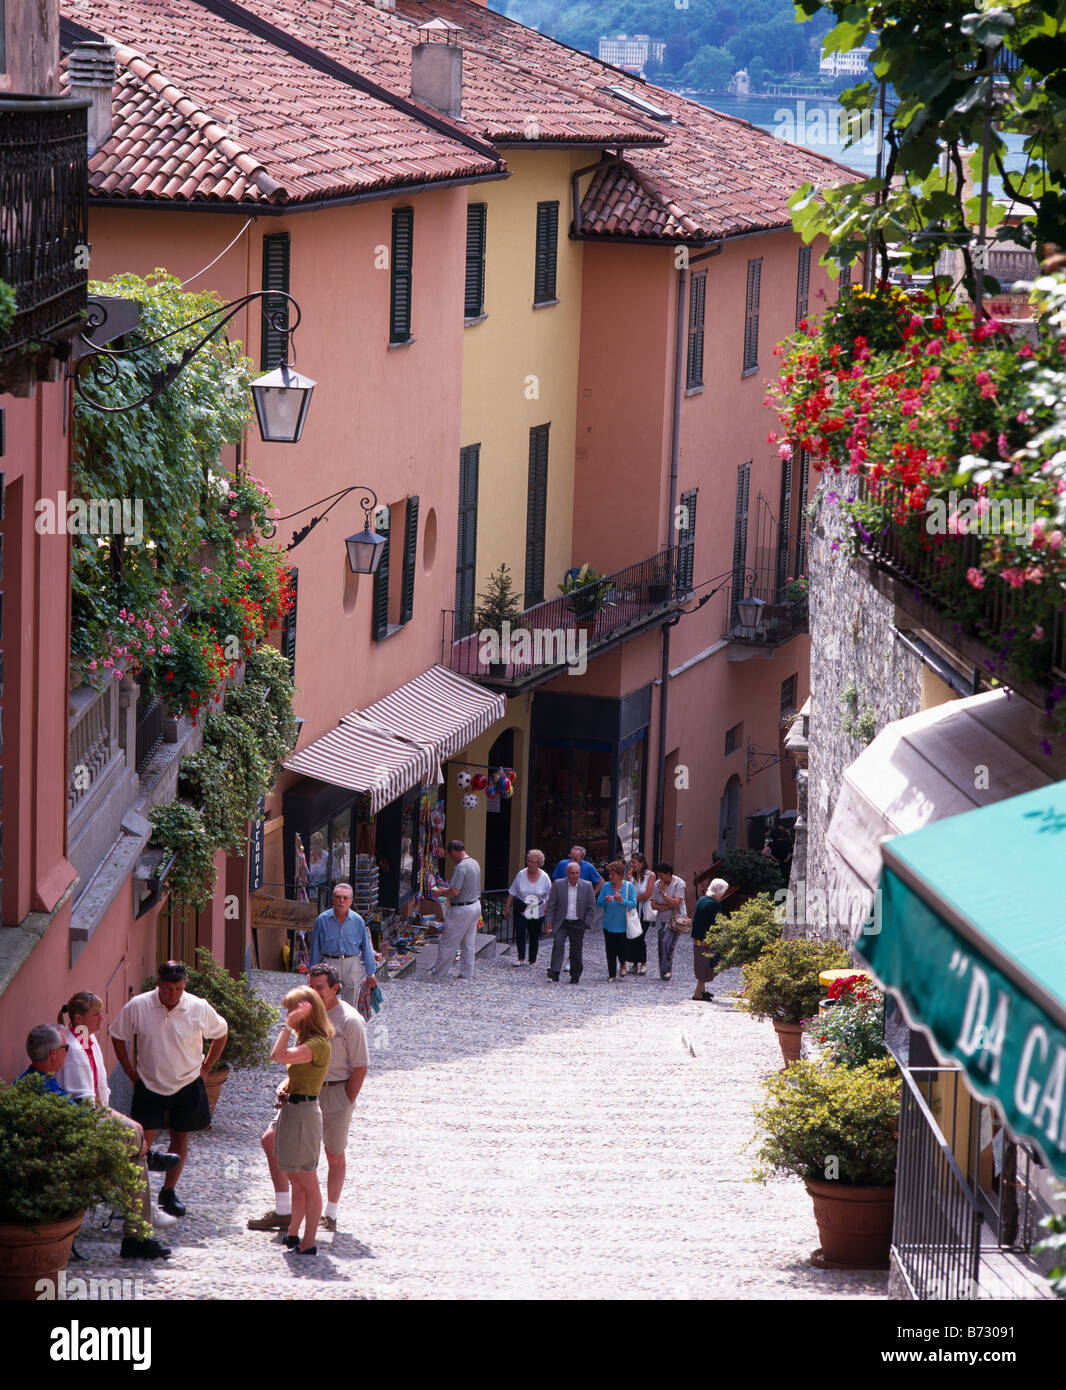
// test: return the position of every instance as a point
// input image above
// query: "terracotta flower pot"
(213, 1082)
(790, 1036)
(30, 1254)
(854, 1224)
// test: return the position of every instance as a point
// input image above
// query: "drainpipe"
(675, 450)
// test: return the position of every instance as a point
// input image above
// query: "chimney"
(437, 67)
(93, 73)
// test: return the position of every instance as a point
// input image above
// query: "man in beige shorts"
(349, 1059)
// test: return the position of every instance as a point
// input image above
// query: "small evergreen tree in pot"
(749, 871)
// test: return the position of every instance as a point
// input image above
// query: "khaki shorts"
(298, 1137)
(336, 1117)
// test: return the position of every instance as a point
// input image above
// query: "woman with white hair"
(703, 919)
(530, 888)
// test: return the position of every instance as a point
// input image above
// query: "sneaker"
(159, 1162)
(553, 977)
(269, 1221)
(133, 1249)
(160, 1220)
(170, 1202)
(518, 964)
(327, 1223)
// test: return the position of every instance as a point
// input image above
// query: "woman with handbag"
(527, 895)
(303, 1047)
(617, 898)
(668, 904)
(643, 881)
(703, 919)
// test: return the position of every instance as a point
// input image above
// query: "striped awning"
(438, 709)
(401, 741)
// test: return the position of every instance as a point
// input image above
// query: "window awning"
(401, 741)
(438, 709)
(973, 941)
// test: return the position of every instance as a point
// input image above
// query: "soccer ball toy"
(470, 802)
(463, 779)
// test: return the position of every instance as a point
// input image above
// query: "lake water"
(815, 123)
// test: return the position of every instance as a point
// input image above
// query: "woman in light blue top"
(616, 896)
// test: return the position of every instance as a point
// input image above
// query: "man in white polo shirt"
(170, 1028)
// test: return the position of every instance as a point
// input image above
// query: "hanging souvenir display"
(463, 779)
(470, 802)
(479, 781)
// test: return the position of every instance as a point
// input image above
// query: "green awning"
(973, 941)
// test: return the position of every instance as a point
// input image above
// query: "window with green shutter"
(403, 228)
(379, 613)
(686, 542)
(799, 564)
(475, 260)
(803, 283)
(784, 518)
(536, 515)
(288, 631)
(740, 540)
(697, 303)
(410, 551)
(275, 277)
(751, 316)
(547, 253)
(466, 546)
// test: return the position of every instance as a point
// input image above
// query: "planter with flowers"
(781, 985)
(851, 1031)
(956, 435)
(585, 591)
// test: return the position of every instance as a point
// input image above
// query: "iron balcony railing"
(783, 617)
(936, 1229)
(566, 631)
(936, 575)
(44, 215)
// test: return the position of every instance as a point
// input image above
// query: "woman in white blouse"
(84, 1075)
(528, 893)
(668, 897)
(643, 881)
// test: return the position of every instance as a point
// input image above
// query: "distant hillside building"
(853, 63)
(624, 52)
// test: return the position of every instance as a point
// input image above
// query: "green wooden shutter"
(740, 539)
(288, 632)
(800, 564)
(275, 277)
(403, 228)
(784, 519)
(697, 303)
(536, 515)
(547, 252)
(475, 260)
(410, 551)
(379, 615)
(803, 283)
(686, 545)
(751, 316)
(466, 547)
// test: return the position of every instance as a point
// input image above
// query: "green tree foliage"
(782, 984)
(953, 68)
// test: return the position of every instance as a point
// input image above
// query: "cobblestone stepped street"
(517, 1139)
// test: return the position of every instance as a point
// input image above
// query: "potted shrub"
(749, 871)
(586, 593)
(741, 936)
(837, 1128)
(496, 606)
(249, 1016)
(781, 984)
(658, 588)
(57, 1157)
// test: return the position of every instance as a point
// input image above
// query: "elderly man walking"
(588, 873)
(170, 1027)
(341, 939)
(348, 1063)
(462, 912)
(571, 909)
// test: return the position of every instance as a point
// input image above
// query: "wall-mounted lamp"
(365, 548)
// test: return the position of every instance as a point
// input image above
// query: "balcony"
(44, 237)
(929, 584)
(783, 616)
(562, 633)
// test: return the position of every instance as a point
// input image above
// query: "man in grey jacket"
(571, 907)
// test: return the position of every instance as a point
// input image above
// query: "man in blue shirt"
(47, 1053)
(340, 938)
(588, 873)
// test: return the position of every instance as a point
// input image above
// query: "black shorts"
(186, 1110)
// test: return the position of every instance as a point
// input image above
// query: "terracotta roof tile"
(205, 111)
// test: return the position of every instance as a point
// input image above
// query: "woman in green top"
(705, 964)
(298, 1136)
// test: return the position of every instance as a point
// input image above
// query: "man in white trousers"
(462, 912)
